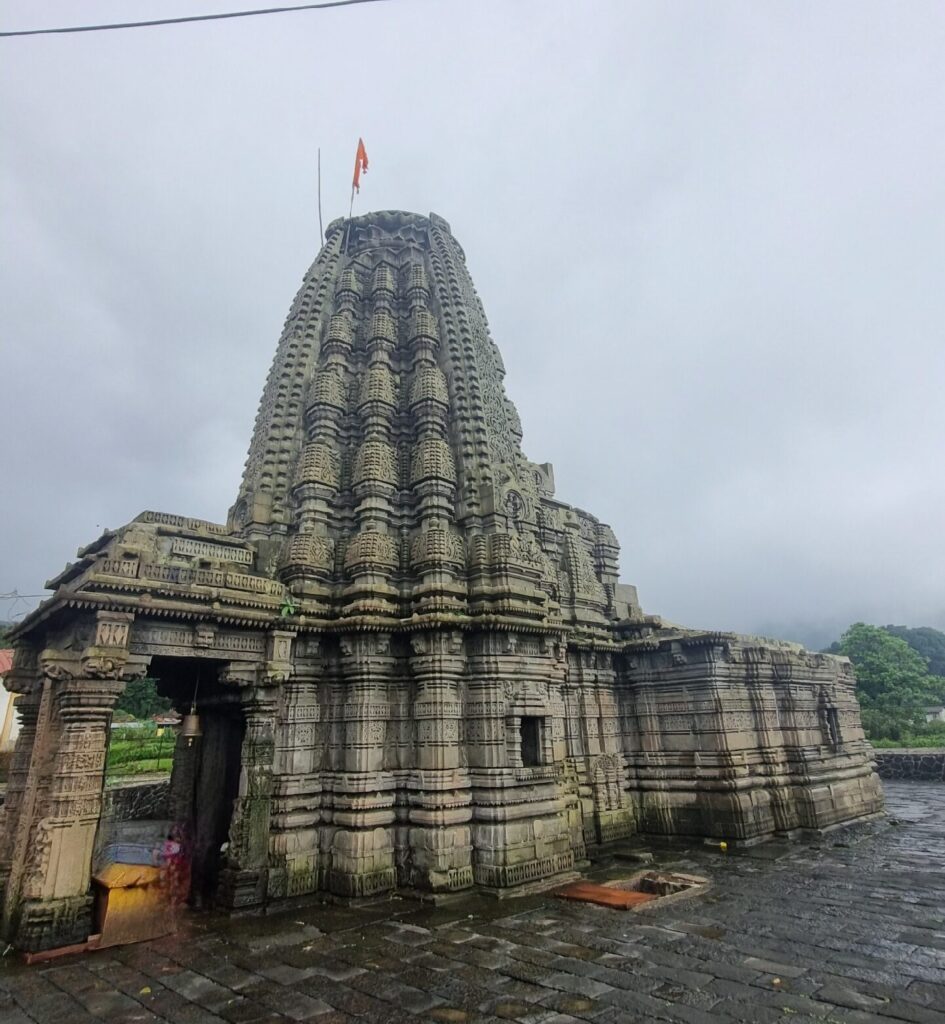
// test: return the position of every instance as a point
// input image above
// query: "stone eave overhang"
(87, 557)
(92, 600)
(418, 624)
(663, 638)
(585, 642)
(696, 638)
(37, 617)
(237, 612)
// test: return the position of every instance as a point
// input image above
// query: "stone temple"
(414, 666)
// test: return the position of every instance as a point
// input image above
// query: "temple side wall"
(595, 752)
(399, 763)
(740, 742)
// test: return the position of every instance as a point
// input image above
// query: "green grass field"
(934, 741)
(139, 752)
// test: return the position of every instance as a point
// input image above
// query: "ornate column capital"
(25, 674)
(99, 665)
(239, 674)
(437, 642)
(96, 694)
(437, 656)
(112, 629)
(60, 665)
(279, 656)
(107, 656)
(363, 648)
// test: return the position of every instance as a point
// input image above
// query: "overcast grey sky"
(709, 238)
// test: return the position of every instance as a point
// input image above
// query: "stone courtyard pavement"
(850, 927)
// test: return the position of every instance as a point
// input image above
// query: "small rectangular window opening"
(530, 731)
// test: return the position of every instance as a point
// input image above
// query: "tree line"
(900, 676)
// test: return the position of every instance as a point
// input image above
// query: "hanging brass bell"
(190, 727)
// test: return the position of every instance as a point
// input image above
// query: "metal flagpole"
(321, 230)
(348, 222)
(359, 164)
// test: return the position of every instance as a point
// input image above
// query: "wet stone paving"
(849, 926)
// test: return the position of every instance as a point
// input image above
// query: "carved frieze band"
(161, 573)
(206, 549)
(182, 522)
(202, 640)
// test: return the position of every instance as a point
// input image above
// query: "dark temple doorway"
(206, 774)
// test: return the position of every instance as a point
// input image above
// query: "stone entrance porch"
(221, 783)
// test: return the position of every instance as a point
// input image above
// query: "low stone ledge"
(136, 801)
(919, 764)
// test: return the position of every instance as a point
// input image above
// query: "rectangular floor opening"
(643, 889)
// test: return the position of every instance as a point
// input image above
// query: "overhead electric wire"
(189, 18)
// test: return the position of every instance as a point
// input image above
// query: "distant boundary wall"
(134, 801)
(133, 811)
(919, 764)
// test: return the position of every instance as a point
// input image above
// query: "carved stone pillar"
(49, 882)
(297, 788)
(56, 908)
(437, 664)
(362, 847)
(17, 811)
(29, 687)
(368, 669)
(439, 792)
(244, 880)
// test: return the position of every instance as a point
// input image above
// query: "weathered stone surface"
(413, 664)
(136, 801)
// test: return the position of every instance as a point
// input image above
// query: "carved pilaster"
(367, 665)
(28, 708)
(437, 663)
(440, 840)
(278, 656)
(362, 849)
(244, 880)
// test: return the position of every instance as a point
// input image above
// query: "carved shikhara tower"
(414, 665)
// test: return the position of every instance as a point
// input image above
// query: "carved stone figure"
(412, 664)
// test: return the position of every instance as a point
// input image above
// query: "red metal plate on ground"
(604, 895)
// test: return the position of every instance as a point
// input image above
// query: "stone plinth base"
(752, 814)
(362, 863)
(49, 924)
(239, 889)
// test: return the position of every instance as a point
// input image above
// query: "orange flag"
(360, 164)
